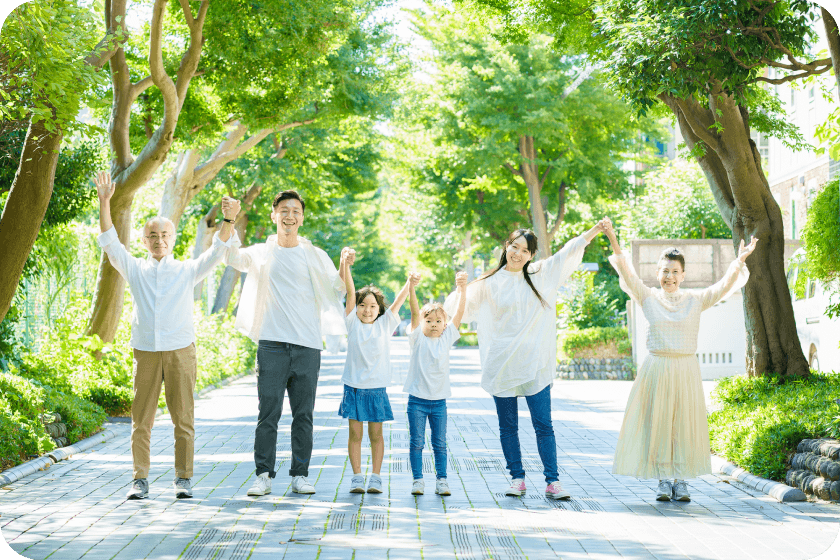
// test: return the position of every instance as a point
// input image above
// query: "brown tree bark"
(833, 36)
(129, 172)
(732, 165)
(26, 207)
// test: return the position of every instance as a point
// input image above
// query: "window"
(730, 357)
(812, 289)
(792, 218)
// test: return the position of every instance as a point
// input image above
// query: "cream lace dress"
(665, 433)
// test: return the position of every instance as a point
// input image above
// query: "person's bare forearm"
(226, 231)
(415, 307)
(400, 299)
(616, 248)
(590, 235)
(105, 222)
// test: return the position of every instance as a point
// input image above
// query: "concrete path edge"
(777, 490)
(25, 469)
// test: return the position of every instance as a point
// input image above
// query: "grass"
(763, 419)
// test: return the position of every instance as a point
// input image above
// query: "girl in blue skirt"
(367, 371)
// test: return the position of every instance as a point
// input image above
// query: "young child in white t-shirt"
(427, 384)
(367, 371)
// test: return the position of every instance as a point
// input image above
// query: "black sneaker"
(183, 488)
(139, 489)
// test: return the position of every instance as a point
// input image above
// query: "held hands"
(105, 187)
(348, 255)
(230, 207)
(461, 281)
(744, 252)
(413, 279)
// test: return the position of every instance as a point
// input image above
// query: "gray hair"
(161, 220)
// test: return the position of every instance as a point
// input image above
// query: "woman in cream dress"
(665, 433)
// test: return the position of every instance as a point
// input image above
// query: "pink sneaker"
(555, 492)
(517, 487)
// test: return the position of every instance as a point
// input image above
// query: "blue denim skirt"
(365, 405)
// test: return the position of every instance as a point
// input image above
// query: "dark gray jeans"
(280, 367)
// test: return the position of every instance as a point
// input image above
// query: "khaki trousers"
(177, 369)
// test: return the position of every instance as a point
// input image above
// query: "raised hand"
(413, 279)
(744, 252)
(461, 280)
(104, 186)
(230, 207)
(348, 255)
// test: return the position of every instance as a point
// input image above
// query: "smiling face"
(288, 215)
(367, 310)
(670, 275)
(517, 254)
(159, 237)
(433, 323)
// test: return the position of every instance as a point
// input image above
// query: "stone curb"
(25, 469)
(777, 490)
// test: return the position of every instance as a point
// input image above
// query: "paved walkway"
(76, 508)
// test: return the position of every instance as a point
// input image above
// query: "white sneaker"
(301, 486)
(664, 491)
(418, 487)
(681, 491)
(517, 487)
(262, 486)
(442, 487)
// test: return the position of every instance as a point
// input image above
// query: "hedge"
(762, 419)
(595, 342)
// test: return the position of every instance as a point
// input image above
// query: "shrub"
(596, 342)
(585, 304)
(763, 419)
(467, 339)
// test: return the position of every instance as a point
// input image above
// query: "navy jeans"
(418, 410)
(540, 407)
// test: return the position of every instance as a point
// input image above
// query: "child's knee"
(375, 433)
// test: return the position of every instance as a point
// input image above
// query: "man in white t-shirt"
(291, 298)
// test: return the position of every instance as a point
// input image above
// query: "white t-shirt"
(368, 364)
(428, 366)
(292, 313)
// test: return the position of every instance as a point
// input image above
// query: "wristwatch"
(228, 221)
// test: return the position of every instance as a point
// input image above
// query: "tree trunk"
(528, 170)
(469, 263)
(732, 165)
(26, 207)
(833, 36)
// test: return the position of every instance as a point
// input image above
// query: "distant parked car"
(818, 334)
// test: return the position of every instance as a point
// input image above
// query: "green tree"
(708, 62)
(524, 115)
(48, 62)
(676, 204)
(821, 241)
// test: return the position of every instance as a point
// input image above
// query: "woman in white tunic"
(514, 306)
(665, 433)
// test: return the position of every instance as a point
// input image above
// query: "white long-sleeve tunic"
(517, 335)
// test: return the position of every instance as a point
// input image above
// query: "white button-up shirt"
(162, 292)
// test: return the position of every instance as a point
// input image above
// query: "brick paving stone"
(77, 509)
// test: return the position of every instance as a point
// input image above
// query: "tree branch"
(794, 77)
(512, 169)
(694, 115)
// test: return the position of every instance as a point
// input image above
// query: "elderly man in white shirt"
(162, 332)
(291, 298)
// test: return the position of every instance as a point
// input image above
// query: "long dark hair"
(531, 239)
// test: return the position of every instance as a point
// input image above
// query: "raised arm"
(348, 257)
(104, 190)
(735, 278)
(400, 299)
(461, 288)
(222, 242)
(628, 280)
(413, 281)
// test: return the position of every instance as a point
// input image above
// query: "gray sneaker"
(418, 487)
(183, 488)
(663, 493)
(681, 491)
(357, 484)
(375, 484)
(139, 489)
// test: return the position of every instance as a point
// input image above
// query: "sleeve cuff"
(108, 237)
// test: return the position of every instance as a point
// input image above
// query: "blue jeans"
(540, 407)
(418, 410)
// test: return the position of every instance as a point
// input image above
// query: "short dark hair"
(286, 195)
(673, 254)
(431, 308)
(362, 293)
